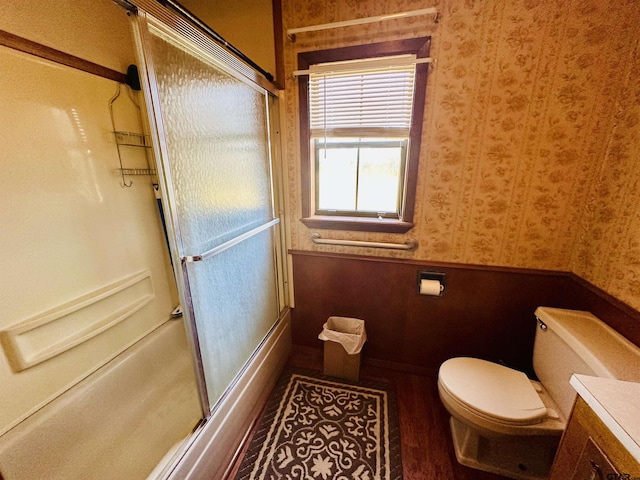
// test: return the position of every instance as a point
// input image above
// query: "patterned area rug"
(317, 427)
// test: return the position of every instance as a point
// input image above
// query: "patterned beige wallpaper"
(531, 136)
(607, 250)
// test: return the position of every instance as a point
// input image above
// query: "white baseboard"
(214, 446)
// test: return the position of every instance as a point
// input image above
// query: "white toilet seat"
(493, 392)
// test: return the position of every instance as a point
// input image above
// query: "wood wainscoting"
(486, 312)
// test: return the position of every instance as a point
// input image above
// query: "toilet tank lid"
(608, 353)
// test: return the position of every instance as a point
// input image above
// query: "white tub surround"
(129, 410)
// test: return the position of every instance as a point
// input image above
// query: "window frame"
(420, 47)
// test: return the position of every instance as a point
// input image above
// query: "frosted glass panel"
(217, 139)
(217, 167)
(235, 305)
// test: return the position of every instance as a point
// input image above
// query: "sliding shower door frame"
(152, 17)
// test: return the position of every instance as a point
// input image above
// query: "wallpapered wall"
(531, 136)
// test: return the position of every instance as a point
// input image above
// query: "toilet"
(501, 421)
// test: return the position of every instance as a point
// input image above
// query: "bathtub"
(122, 422)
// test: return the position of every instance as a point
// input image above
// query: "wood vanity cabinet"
(589, 451)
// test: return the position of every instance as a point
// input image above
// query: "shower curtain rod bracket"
(133, 78)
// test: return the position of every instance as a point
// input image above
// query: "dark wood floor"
(427, 450)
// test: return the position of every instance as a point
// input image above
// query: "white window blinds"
(363, 102)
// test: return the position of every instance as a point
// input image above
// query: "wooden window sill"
(358, 224)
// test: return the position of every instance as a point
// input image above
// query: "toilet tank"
(572, 341)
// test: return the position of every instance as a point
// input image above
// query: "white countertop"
(617, 404)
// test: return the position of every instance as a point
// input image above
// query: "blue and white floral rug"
(317, 427)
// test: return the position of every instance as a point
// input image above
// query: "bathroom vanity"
(602, 439)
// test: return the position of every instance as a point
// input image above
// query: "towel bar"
(408, 245)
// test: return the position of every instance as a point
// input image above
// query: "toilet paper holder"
(428, 287)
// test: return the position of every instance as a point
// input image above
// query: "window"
(359, 176)
(360, 123)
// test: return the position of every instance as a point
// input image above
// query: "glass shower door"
(213, 137)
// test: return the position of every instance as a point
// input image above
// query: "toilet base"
(518, 457)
